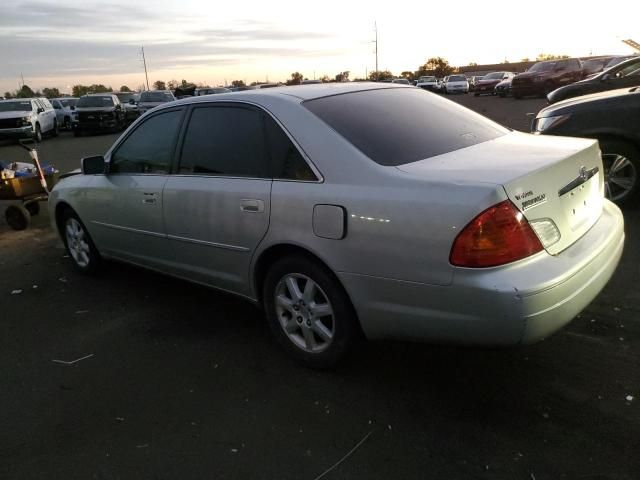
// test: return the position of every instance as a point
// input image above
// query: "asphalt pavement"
(133, 375)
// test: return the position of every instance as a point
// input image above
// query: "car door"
(49, 114)
(126, 204)
(217, 203)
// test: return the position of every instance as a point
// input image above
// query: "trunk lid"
(546, 178)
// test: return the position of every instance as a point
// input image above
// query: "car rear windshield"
(394, 126)
(156, 97)
(95, 102)
(15, 106)
(427, 79)
(457, 78)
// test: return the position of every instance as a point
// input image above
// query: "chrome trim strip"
(583, 177)
(208, 244)
(129, 229)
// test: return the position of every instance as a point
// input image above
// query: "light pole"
(375, 28)
(144, 61)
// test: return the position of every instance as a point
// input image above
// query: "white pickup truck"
(27, 118)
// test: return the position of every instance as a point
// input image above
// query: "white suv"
(27, 118)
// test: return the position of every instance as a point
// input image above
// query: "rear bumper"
(519, 303)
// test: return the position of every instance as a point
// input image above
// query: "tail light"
(496, 236)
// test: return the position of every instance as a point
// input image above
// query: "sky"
(62, 43)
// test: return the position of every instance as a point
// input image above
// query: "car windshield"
(69, 102)
(156, 97)
(427, 79)
(457, 78)
(542, 67)
(391, 125)
(97, 101)
(15, 106)
(494, 76)
(124, 97)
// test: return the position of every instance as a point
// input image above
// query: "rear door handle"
(149, 198)
(251, 205)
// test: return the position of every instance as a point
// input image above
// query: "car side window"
(286, 161)
(224, 140)
(56, 105)
(149, 148)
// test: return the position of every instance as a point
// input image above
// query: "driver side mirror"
(606, 77)
(40, 110)
(93, 165)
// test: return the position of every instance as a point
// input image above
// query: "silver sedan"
(350, 211)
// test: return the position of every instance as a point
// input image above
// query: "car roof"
(300, 92)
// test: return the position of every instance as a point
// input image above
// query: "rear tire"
(80, 247)
(309, 313)
(621, 162)
(54, 132)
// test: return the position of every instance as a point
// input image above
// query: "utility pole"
(375, 27)
(144, 60)
(22, 77)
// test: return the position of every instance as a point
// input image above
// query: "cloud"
(51, 40)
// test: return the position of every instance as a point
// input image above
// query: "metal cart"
(26, 192)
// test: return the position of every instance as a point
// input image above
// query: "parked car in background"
(616, 60)
(211, 91)
(276, 198)
(64, 108)
(402, 81)
(612, 118)
(427, 83)
(129, 104)
(99, 112)
(310, 82)
(595, 65)
(544, 77)
(27, 118)
(473, 81)
(503, 89)
(150, 99)
(624, 74)
(489, 82)
(456, 84)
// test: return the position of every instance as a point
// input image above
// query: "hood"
(94, 109)
(488, 82)
(533, 74)
(18, 114)
(585, 99)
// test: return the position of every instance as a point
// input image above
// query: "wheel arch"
(271, 254)
(61, 207)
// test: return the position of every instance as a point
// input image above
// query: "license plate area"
(583, 204)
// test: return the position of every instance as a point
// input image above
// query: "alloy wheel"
(620, 176)
(77, 242)
(304, 312)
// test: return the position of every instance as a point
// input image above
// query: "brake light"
(496, 236)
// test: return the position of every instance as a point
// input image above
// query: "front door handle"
(251, 205)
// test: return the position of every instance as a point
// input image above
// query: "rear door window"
(394, 126)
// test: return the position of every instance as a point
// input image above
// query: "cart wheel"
(34, 208)
(18, 217)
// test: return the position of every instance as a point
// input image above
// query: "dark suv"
(544, 77)
(99, 111)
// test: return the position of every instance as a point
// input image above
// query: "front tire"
(81, 249)
(17, 217)
(37, 135)
(54, 132)
(621, 162)
(309, 313)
